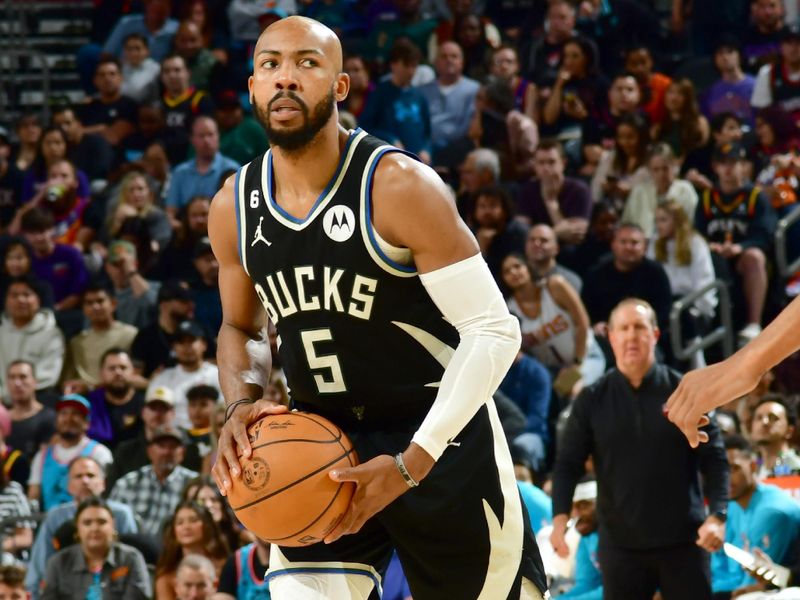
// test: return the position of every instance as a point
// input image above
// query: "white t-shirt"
(762, 91)
(179, 380)
(65, 455)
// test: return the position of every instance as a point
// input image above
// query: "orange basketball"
(284, 495)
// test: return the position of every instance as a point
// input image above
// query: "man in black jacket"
(654, 529)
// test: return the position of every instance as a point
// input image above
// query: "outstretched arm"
(243, 317)
(706, 389)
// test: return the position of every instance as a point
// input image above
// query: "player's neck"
(297, 185)
(744, 499)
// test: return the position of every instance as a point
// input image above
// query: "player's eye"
(308, 62)
(268, 64)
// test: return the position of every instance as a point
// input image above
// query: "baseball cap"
(227, 99)
(729, 151)
(161, 394)
(75, 401)
(585, 491)
(790, 32)
(202, 247)
(189, 329)
(173, 290)
(168, 433)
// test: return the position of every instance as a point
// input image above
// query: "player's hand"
(233, 440)
(703, 390)
(711, 534)
(559, 541)
(378, 484)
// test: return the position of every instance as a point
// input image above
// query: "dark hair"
(635, 46)
(115, 351)
(96, 287)
(91, 502)
(136, 36)
(589, 50)
(551, 144)
(171, 56)
(521, 258)
(60, 109)
(498, 193)
(202, 392)
(688, 124)
(229, 525)
(15, 242)
(28, 280)
(718, 120)
(38, 166)
(214, 545)
(499, 94)
(106, 59)
(735, 441)
(638, 123)
(22, 361)
(405, 51)
(13, 575)
(789, 408)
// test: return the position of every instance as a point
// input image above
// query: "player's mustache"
(291, 96)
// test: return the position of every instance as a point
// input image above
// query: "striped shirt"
(152, 501)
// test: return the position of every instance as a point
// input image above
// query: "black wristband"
(232, 407)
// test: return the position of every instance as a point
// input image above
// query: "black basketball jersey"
(359, 337)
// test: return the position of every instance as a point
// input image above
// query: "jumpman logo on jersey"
(259, 237)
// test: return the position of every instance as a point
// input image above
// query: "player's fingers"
(220, 473)
(702, 437)
(238, 432)
(704, 420)
(342, 528)
(344, 474)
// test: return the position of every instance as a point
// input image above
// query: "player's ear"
(341, 86)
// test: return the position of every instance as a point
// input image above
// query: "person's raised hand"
(233, 441)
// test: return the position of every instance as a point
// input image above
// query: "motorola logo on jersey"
(339, 223)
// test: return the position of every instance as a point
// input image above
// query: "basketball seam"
(322, 514)
(304, 440)
(294, 483)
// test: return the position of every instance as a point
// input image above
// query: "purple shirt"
(724, 96)
(64, 270)
(575, 200)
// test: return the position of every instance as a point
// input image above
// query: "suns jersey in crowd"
(359, 337)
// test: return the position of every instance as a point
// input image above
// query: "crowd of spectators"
(598, 150)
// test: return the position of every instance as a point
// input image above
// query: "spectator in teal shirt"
(397, 112)
(588, 580)
(759, 516)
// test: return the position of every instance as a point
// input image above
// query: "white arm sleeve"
(469, 298)
(762, 94)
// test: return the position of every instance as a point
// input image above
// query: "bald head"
(303, 34)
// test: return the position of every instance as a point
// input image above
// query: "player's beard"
(298, 138)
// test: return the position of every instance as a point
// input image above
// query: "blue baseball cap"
(75, 401)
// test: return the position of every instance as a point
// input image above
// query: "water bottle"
(55, 193)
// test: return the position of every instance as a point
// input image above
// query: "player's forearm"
(468, 297)
(776, 342)
(233, 362)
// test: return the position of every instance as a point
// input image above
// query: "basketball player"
(389, 324)
(706, 389)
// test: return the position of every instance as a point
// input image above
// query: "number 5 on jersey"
(327, 362)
